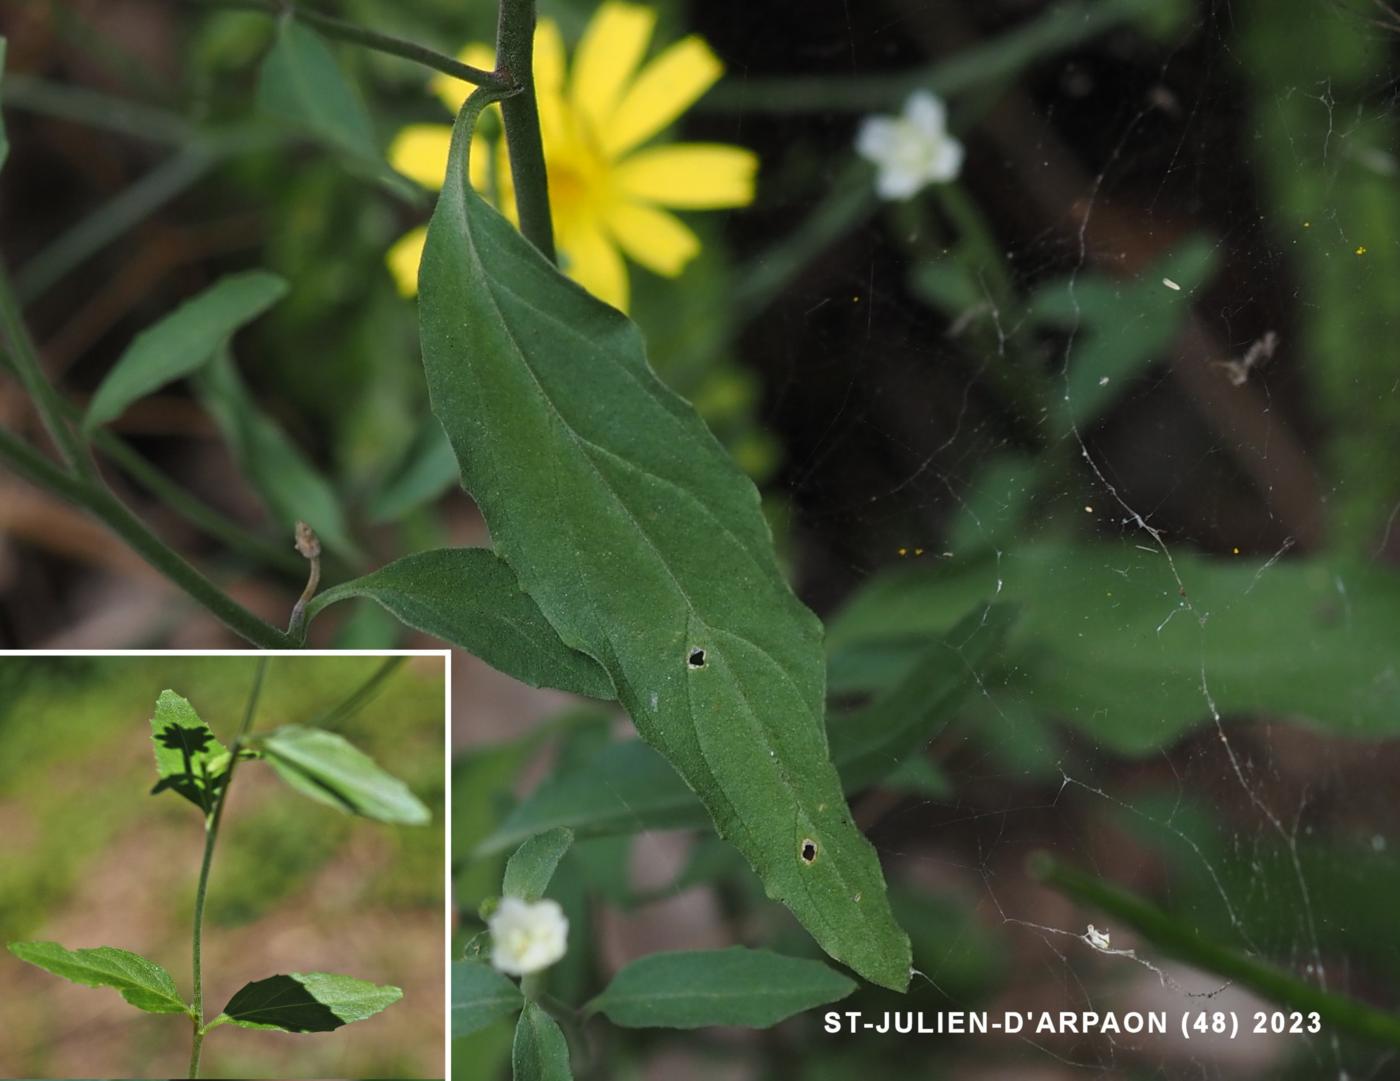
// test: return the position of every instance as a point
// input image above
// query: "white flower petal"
(947, 160)
(877, 138)
(926, 112)
(896, 183)
(527, 937)
(912, 150)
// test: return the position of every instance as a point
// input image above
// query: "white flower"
(910, 150)
(527, 937)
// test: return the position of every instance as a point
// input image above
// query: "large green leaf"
(183, 341)
(289, 484)
(143, 983)
(645, 548)
(189, 758)
(626, 786)
(699, 988)
(481, 995)
(532, 865)
(471, 598)
(540, 1052)
(1107, 643)
(324, 766)
(306, 1002)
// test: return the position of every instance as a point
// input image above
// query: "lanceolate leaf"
(289, 484)
(324, 766)
(899, 723)
(471, 598)
(301, 84)
(189, 759)
(426, 471)
(183, 341)
(645, 548)
(627, 787)
(307, 1002)
(699, 988)
(143, 983)
(540, 1052)
(532, 866)
(480, 995)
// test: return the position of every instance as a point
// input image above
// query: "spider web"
(1095, 166)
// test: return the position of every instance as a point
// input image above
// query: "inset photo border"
(224, 864)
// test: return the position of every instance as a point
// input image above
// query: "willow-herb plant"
(631, 559)
(192, 762)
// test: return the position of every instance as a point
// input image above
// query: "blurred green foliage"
(1327, 161)
(75, 770)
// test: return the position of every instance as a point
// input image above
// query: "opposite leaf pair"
(320, 764)
(299, 1002)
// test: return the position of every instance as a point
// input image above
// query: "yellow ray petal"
(548, 58)
(403, 259)
(548, 63)
(661, 242)
(504, 184)
(607, 57)
(592, 260)
(452, 92)
(664, 89)
(690, 176)
(419, 151)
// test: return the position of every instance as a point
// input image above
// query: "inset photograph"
(223, 865)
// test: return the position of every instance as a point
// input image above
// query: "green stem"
(515, 45)
(183, 502)
(196, 1046)
(359, 697)
(532, 986)
(104, 506)
(198, 513)
(211, 834)
(363, 36)
(25, 359)
(1186, 944)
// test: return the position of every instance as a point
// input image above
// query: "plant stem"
(184, 503)
(198, 513)
(211, 834)
(363, 36)
(103, 505)
(515, 45)
(359, 697)
(25, 359)
(1186, 944)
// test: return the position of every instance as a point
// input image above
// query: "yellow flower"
(609, 194)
